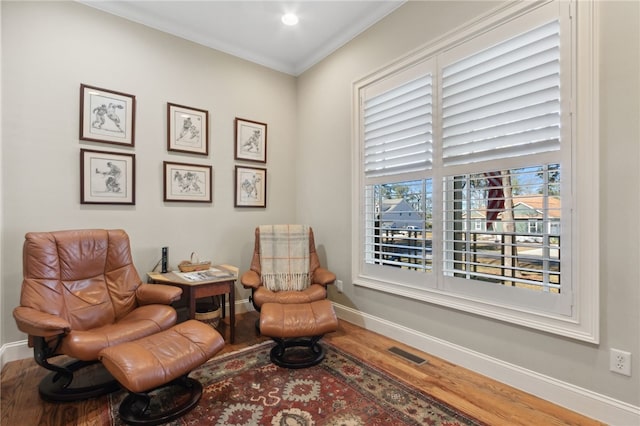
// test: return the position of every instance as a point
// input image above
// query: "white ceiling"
(252, 30)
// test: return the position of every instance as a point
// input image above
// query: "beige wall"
(325, 114)
(48, 49)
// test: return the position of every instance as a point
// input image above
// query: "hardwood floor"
(482, 398)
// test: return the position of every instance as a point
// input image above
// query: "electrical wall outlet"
(339, 286)
(620, 362)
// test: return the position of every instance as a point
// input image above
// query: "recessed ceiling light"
(289, 19)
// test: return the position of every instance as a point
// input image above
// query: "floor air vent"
(406, 355)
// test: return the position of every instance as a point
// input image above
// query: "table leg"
(232, 311)
(192, 303)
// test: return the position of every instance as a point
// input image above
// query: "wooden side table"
(193, 290)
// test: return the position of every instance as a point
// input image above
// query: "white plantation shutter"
(504, 101)
(398, 129)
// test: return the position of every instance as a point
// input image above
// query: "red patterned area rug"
(245, 388)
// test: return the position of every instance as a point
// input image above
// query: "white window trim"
(583, 324)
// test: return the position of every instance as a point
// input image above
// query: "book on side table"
(218, 272)
(208, 274)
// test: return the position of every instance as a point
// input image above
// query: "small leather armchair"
(290, 295)
(80, 294)
(317, 290)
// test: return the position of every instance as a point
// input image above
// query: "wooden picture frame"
(187, 129)
(250, 140)
(190, 183)
(107, 177)
(107, 116)
(250, 187)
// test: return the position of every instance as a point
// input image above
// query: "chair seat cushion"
(315, 292)
(141, 322)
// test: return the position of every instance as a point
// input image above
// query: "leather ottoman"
(167, 357)
(297, 325)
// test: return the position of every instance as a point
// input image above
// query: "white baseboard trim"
(575, 398)
(243, 305)
(14, 351)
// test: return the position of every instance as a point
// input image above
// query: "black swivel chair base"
(297, 353)
(92, 380)
(135, 408)
(75, 381)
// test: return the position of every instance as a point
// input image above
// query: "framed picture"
(187, 182)
(107, 177)
(251, 187)
(187, 129)
(251, 140)
(107, 116)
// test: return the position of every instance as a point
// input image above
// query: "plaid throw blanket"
(284, 257)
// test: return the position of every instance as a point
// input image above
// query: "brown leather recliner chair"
(320, 278)
(81, 294)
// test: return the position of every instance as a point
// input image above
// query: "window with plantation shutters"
(466, 172)
(502, 164)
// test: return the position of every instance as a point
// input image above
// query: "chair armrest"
(148, 294)
(323, 277)
(41, 324)
(251, 279)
